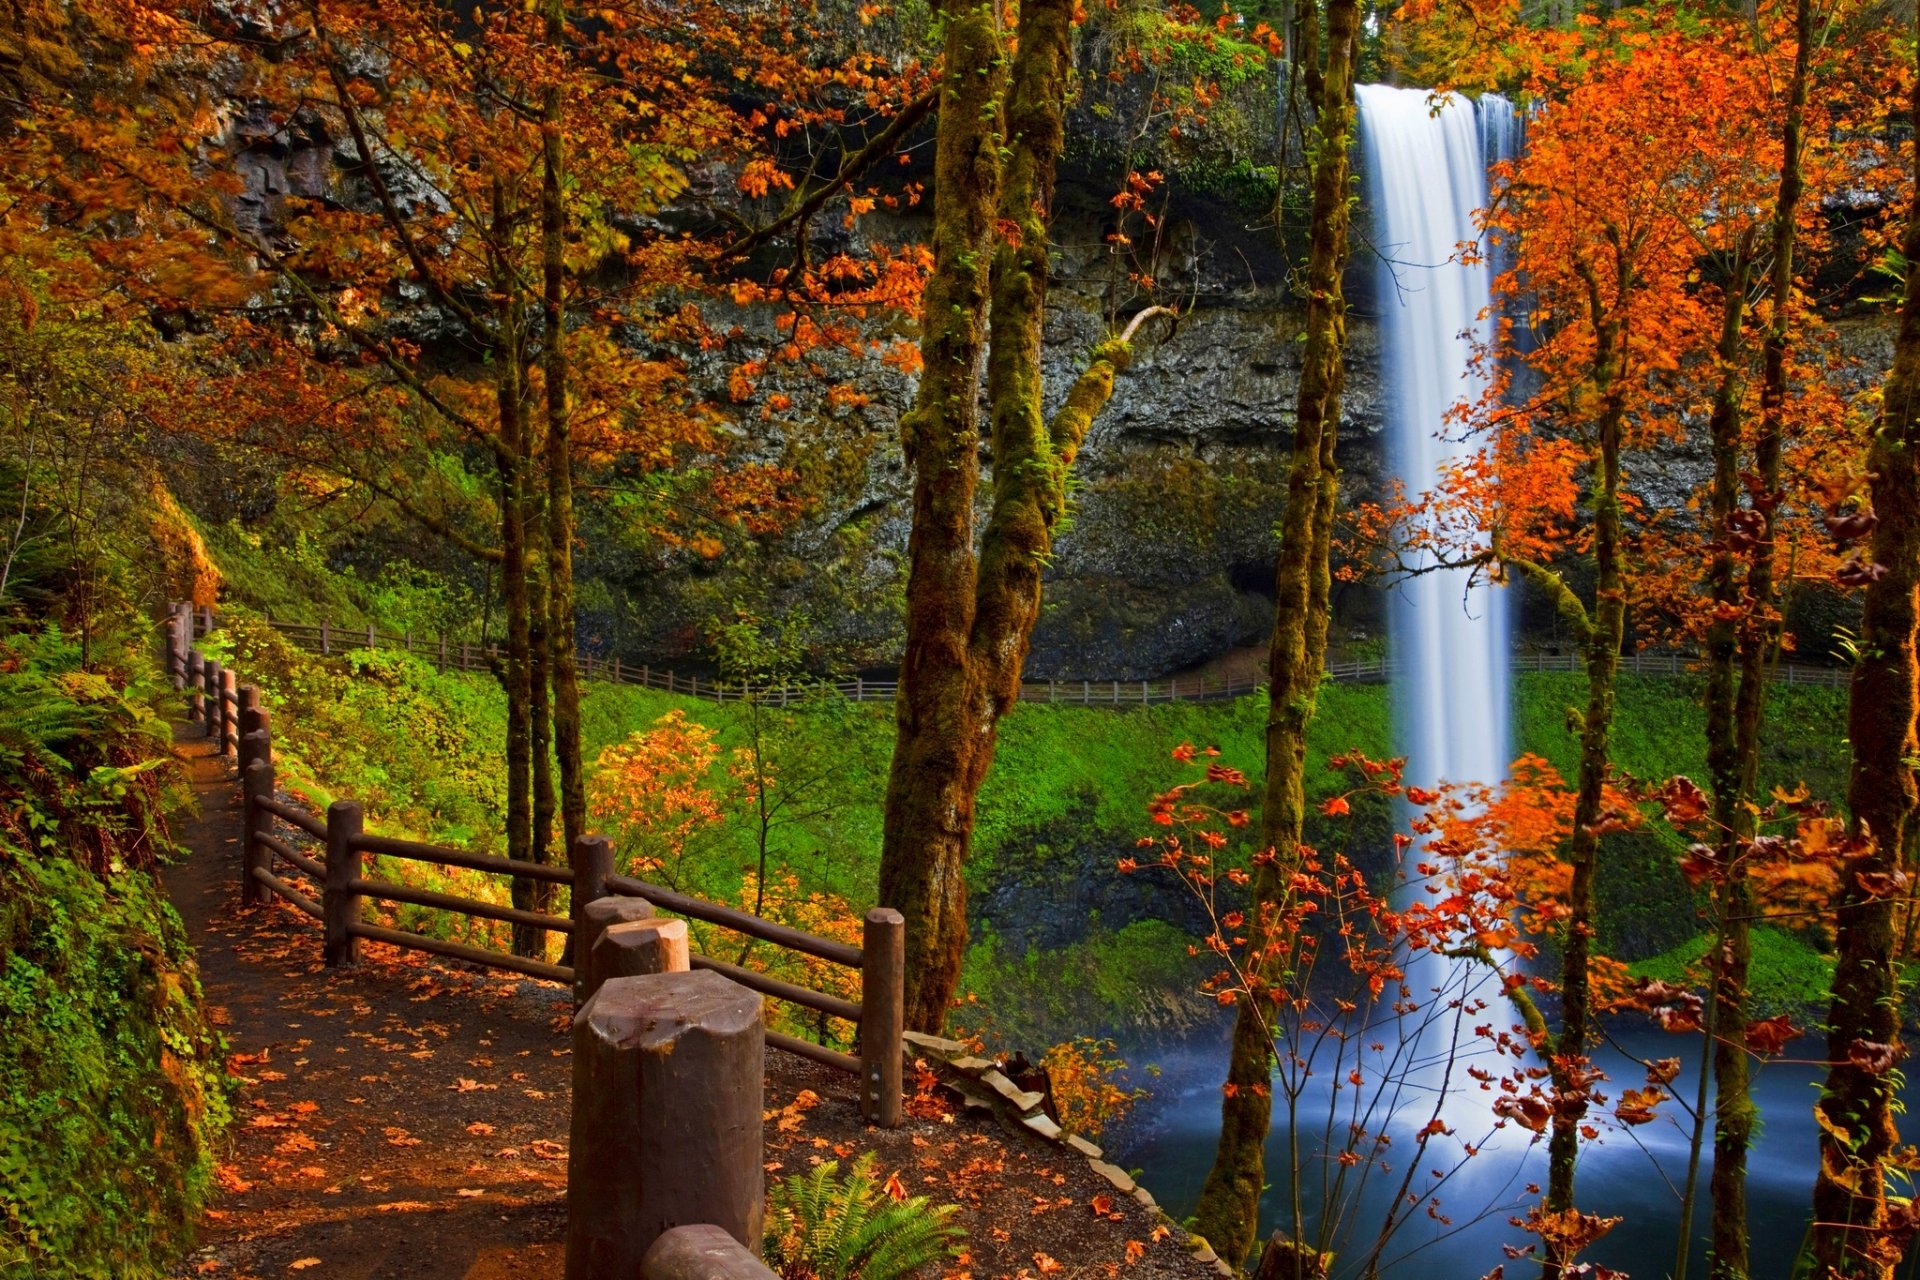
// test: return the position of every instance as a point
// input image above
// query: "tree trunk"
(1856, 1109)
(1734, 1112)
(514, 672)
(1568, 1054)
(932, 779)
(560, 520)
(1229, 1207)
(969, 617)
(537, 895)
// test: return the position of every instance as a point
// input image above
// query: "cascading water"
(1426, 175)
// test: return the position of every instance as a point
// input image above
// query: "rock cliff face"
(1168, 558)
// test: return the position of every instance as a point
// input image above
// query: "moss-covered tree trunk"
(514, 669)
(561, 638)
(1739, 769)
(1229, 1206)
(1574, 1038)
(970, 616)
(930, 791)
(1856, 1108)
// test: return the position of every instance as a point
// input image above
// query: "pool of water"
(1633, 1173)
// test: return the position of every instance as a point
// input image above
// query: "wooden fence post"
(256, 785)
(590, 922)
(229, 713)
(196, 686)
(371, 642)
(634, 948)
(210, 702)
(176, 647)
(339, 904)
(668, 1090)
(443, 651)
(701, 1251)
(883, 1011)
(326, 635)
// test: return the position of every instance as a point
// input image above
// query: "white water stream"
(1426, 176)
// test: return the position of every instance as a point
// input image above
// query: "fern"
(823, 1225)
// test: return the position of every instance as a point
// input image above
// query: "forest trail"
(405, 1119)
(397, 1119)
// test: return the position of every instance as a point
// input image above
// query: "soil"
(407, 1117)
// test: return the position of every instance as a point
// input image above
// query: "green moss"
(1138, 979)
(112, 1088)
(1788, 975)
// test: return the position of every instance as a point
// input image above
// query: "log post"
(176, 647)
(371, 643)
(701, 1252)
(883, 1002)
(256, 784)
(635, 948)
(443, 651)
(210, 701)
(229, 719)
(340, 905)
(590, 921)
(667, 1097)
(195, 686)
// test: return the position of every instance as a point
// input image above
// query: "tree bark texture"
(1856, 1108)
(1228, 1210)
(1735, 1115)
(970, 614)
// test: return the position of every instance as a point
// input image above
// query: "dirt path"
(407, 1119)
(397, 1119)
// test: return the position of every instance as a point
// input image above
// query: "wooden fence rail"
(453, 655)
(235, 717)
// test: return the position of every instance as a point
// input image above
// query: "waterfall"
(1427, 174)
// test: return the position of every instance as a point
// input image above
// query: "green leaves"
(828, 1226)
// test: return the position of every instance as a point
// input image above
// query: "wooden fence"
(233, 715)
(457, 655)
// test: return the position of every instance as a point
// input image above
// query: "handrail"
(235, 715)
(415, 851)
(293, 855)
(460, 951)
(818, 1052)
(739, 921)
(820, 1001)
(387, 891)
(288, 892)
(469, 656)
(294, 815)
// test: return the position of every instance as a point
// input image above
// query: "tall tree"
(1742, 642)
(971, 604)
(1856, 1110)
(1228, 1212)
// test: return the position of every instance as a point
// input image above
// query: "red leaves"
(1874, 1058)
(1771, 1035)
(1683, 802)
(1674, 1007)
(1336, 807)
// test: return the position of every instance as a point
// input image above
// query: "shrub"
(824, 1225)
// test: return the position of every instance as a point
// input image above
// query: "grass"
(1787, 976)
(1066, 798)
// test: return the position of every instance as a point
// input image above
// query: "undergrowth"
(112, 1089)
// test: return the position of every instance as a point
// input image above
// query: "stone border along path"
(407, 1120)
